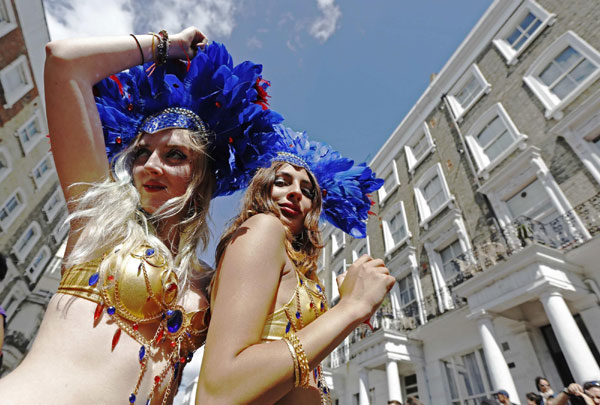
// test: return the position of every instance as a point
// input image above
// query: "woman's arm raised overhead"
(237, 366)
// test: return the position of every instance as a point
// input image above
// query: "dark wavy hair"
(304, 248)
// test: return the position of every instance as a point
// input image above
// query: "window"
(61, 229)
(395, 231)
(7, 17)
(407, 291)
(339, 268)
(11, 209)
(16, 80)
(390, 183)
(5, 163)
(492, 138)
(562, 72)
(30, 133)
(450, 268)
(37, 264)
(418, 147)
(361, 249)
(521, 30)
(53, 204)
(338, 241)
(42, 172)
(532, 201)
(431, 193)
(467, 378)
(467, 91)
(27, 240)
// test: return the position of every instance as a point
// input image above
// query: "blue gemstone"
(176, 369)
(132, 398)
(325, 390)
(94, 279)
(319, 384)
(297, 315)
(315, 372)
(174, 320)
(142, 352)
(190, 356)
(149, 252)
(148, 401)
(319, 288)
(322, 305)
(287, 328)
(111, 310)
(301, 282)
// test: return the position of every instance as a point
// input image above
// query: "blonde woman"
(271, 326)
(131, 308)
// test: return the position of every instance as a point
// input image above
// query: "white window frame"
(383, 193)
(550, 101)
(390, 244)
(414, 161)
(59, 201)
(458, 109)
(22, 252)
(525, 168)
(338, 241)
(6, 156)
(61, 229)
(339, 266)
(579, 128)
(425, 212)
(464, 397)
(11, 24)
(34, 272)
(12, 98)
(16, 295)
(28, 146)
(359, 246)
(484, 164)
(14, 214)
(40, 181)
(450, 228)
(529, 6)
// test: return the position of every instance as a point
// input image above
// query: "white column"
(579, 357)
(363, 387)
(393, 380)
(499, 371)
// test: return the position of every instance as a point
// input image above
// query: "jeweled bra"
(142, 290)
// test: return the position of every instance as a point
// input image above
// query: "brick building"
(488, 218)
(32, 208)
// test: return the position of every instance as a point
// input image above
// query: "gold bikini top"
(142, 290)
(307, 304)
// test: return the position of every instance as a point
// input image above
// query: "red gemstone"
(135, 326)
(156, 379)
(118, 140)
(98, 311)
(312, 304)
(111, 278)
(173, 344)
(230, 140)
(171, 287)
(218, 105)
(129, 107)
(182, 360)
(116, 338)
(159, 336)
(324, 192)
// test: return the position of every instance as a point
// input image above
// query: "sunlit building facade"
(489, 219)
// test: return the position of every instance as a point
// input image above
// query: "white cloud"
(254, 42)
(324, 26)
(71, 18)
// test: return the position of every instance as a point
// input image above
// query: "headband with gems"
(345, 186)
(226, 104)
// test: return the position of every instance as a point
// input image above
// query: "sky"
(345, 72)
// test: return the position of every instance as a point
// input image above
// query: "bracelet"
(295, 359)
(302, 360)
(162, 47)
(139, 47)
(153, 53)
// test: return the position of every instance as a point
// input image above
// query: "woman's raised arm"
(237, 367)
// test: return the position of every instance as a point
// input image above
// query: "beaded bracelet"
(302, 360)
(295, 359)
(162, 47)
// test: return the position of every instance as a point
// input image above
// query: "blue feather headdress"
(345, 186)
(225, 103)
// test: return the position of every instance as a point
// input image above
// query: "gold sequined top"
(306, 304)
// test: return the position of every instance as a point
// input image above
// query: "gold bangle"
(154, 34)
(295, 359)
(302, 360)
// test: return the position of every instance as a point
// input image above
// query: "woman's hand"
(364, 286)
(185, 44)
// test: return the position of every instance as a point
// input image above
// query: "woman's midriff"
(72, 361)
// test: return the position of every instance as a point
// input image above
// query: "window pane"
(564, 87)
(397, 227)
(533, 27)
(451, 380)
(433, 193)
(420, 146)
(490, 132)
(474, 372)
(468, 92)
(582, 71)
(550, 74)
(529, 18)
(499, 145)
(390, 181)
(14, 79)
(513, 36)
(12, 204)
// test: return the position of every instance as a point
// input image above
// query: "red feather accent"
(115, 79)
(371, 213)
(262, 98)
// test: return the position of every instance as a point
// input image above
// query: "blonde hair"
(112, 215)
(303, 249)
